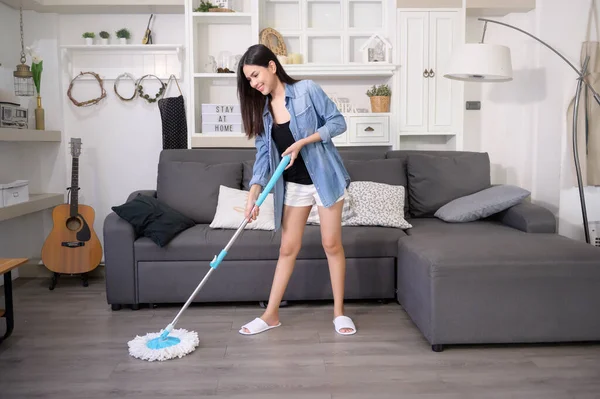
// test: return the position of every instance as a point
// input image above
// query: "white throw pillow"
(231, 206)
(377, 204)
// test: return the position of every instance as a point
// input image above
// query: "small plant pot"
(380, 103)
(104, 41)
(122, 40)
(89, 41)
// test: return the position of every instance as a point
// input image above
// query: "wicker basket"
(380, 103)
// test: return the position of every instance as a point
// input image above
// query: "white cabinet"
(429, 103)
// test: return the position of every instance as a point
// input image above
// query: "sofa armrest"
(151, 193)
(119, 259)
(529, 218)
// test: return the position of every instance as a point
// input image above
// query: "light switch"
(473, 105)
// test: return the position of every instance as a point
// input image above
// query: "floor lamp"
(479, 62)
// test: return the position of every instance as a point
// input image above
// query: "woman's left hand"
(293, 152)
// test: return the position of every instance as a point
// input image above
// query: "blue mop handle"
(217, 260)
(276, 175)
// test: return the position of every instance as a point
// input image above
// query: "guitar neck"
(74, 187)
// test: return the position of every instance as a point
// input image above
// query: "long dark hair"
(252, 102)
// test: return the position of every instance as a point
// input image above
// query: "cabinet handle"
(431, 74)
(425, 73)
(369, 129)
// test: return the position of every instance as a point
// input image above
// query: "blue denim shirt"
(311, 110)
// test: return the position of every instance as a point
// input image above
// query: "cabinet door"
(444, 100)
(414, 53)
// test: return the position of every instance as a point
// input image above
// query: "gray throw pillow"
(435, 180)
(482, 204)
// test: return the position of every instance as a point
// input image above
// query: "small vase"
(122, 40)
(89, 41)
(104, 41)
(39, 115)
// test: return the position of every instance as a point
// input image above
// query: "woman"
(290, 117)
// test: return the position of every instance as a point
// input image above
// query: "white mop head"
(138, 347)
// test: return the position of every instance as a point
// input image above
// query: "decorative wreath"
(124, 75)
(140, 89)
(88, 102)
(273, 40)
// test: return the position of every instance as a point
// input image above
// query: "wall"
(121, 141)
(40, 163)
(523, 123)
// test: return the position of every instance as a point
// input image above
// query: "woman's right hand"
(252, 197)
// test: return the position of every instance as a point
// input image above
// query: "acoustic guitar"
(147, 39)
(72, 247)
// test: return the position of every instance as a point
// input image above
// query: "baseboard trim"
(35, 269)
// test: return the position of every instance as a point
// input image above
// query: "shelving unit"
(16, 135)
(36, 203)
(327, 33)
(111, 60)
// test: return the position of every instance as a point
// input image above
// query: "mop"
(173, 343)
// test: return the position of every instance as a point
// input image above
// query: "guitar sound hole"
(73, 224)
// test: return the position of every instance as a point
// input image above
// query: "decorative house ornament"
(376, 49)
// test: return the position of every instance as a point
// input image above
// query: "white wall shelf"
(352, 70)
(110, 61)
(322, 70)
(37, 202)
(18, 135)
(222, 17)
(495, 8)
(100, 6)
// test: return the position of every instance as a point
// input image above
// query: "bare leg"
(292, 228)
(331, 236)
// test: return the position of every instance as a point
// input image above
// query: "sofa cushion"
(203, 243)
(192, 188)
(376, 204)
(153, 219)
(482, 204)
(231, 208)
(469, 250)
(433, 181)
(387, 171)
(360, 166)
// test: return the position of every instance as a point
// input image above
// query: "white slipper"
(256, 326)
(344, 322)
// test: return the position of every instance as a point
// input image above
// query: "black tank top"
(283, 138)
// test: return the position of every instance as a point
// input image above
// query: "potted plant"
(89, 38)
(104, 35)
(123, 35)
(380, 98)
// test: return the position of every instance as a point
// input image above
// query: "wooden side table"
(6, 266)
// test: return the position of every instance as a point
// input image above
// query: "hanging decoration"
(23, 75)
(174, 123)
(88, 102)
(160, 92)
(124, 75)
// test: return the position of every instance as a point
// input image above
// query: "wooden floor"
(68, 344)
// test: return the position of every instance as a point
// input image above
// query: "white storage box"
(14, 193)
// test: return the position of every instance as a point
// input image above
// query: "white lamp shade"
(480, 62)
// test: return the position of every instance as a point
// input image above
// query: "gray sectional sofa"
(508, 278)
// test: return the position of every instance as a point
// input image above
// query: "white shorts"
(303, 195)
